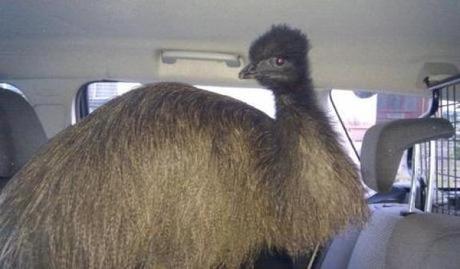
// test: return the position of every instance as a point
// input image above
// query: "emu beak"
(249, 72)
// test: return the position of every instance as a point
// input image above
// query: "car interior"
(61, 60)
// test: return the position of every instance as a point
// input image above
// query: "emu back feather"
(170, 176)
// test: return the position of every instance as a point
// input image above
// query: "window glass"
(98, 93)
(261, 99)
(359, 110)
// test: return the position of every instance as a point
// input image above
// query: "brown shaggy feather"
(170, 176)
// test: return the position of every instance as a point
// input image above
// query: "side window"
(259, 98)
(95, 94)
(99, 93)
(359, 110)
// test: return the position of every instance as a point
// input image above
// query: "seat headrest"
(21, 132)
(384, 144)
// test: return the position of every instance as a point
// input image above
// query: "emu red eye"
(279, 61)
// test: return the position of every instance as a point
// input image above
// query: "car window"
(261, 99)
(98, 93)
(359, 110)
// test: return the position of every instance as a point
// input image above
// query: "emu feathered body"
(170, 176)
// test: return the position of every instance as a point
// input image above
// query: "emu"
(171, 176)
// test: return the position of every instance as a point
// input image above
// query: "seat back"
(382, 243)
(21, 133)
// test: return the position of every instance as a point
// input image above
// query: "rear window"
(96, 94)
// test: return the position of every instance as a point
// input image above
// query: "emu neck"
(293, 102)
(295, 106)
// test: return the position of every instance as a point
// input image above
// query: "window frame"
(13, 88)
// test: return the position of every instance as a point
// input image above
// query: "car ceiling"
(356, 44)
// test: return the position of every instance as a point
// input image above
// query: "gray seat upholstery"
(339, 251)
(371, 248)
(392, 239)
(367, 248)
(21, 133)
(425, 241)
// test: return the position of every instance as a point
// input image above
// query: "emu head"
(278, 58)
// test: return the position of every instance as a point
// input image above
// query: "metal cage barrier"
(437, 163)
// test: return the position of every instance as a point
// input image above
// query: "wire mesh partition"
(440, 159)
